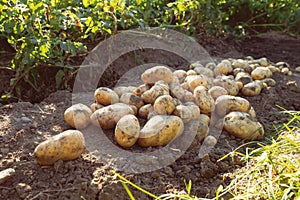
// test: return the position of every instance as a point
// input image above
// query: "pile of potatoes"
(168, 99)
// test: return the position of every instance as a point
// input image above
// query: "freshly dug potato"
(228, 83)
(160, 130)
(151, 113)
(205, 71)
(269, 81)
(176, 90)
(261, 73)
(217, 91)
(240, 85)
(240, 63)
(67, 145)
(183, 112)
(188, 96)
(78, 116)
(127, 131)
(237, 70)
(252, 112)
(164, 105)
(141, 89)
(159, 88)
(210, 140)
(252, 89)
(243, 77)
(194, 81)
(106, 96)
(224, 67)
(132, 99)
(95, 106)
(196, 64)
(211, 65)
(242, 125)
(204, 100)
(120, 90)
(107, 117)
(185, 85)
(195, 110)
(285, 70)
(227, 103)
(180, 74)
(202, 131)
(273, 69)
(204, 118)
(144, 110)
(157, 73)
(191, 72)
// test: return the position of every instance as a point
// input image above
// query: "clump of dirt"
(24, 125)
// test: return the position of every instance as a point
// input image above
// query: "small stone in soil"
(23, 189)
(25, 119)
(6, 174)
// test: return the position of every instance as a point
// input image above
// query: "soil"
(23, 125)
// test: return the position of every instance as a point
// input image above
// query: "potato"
(228, 83)
(227, 103)
(107, 117)
(78, 116)
(196, 80)
(239, 84)
(159, 88)
(132, 99)
(252, 112)
(196, 64)
(176, 90)
(261, 73)
(243, 77)
(252, 89)
(151, 113)
(202, 131)
(164, 105)
(188, 96)
(269, 81)
(285, 70)
(106, 96)
(191, 72)
(195, 110)
(204, 118)
(204, 71)
(184, 112)
(217, 91)
(95, 106)
(273, 69)
(157, 73)
(210, 140)
(120, 90)
(204, 100)
(211, 65)
(242, 125)
(141, 89)
(180, 74)
(67, 145)
(127, 131)
(160, 130)
(144, 110)
(224, 67)
(237, 70)
(185, 85)
(240, 63)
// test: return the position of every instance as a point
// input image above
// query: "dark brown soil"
(87, 178)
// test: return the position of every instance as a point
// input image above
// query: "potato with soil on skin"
(252, 89)
(243, 77)
(95, 106)
(67, 145)
(184, 112)
(159, 88)
(227, 103)
(269, 81)
(261, 73)
(204, 100)
(132, 99)
(242, 64)
(217, 91)
(242, 125)
(78, 116)
(180, 74)
(120, 90)
(141, 89)
(194, 81)
(127, 131)
(228, 83)
(204, 118)
(106, 96)
(107, 117)
(144, 111)
(195, 110)
(164, 105)
(202, 131)
(160, 130)
(157, 73)
(210, 140)
(176, 90)
(205, 71)
(224, 67)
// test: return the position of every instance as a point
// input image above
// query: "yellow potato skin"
(127, 131)
(106, 96)
(67, 145)
(160, 130)
(227, 103)
(78, 116)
